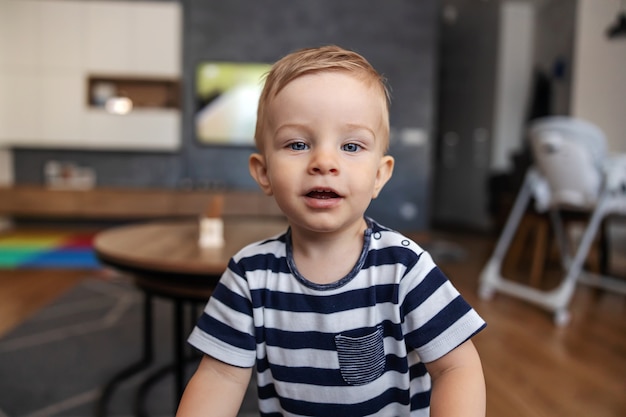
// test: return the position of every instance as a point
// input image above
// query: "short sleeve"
(436, 318)
(225, 329)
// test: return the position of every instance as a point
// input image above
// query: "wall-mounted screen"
(227, 94)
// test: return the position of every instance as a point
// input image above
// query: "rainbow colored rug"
(62, 250)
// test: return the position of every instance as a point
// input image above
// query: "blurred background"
(115, 111)
(466, 76)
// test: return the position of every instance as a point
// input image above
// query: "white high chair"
(571, 171)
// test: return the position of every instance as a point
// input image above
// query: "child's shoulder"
(385, 237)
(388, 246)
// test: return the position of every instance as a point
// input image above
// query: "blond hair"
(315, 60)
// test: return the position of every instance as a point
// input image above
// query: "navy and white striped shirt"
(355, 347)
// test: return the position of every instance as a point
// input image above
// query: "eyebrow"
(292, 126)
(355, 126)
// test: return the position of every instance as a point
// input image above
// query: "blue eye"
(298, 146)
(351, 147)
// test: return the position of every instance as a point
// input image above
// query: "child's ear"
(258, 170)
(385, 170)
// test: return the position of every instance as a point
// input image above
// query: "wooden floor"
(532, 368)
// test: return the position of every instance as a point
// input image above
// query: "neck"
(324, 258)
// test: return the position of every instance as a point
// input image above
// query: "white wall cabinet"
(155, 127)
(63, 106)
(49, 49)
(22, 110)
(62, 25)
(150, 37)
(108, 37)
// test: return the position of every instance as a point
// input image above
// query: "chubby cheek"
(369, 187)
(375, 190)
(281, 183)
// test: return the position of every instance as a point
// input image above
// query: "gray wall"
(468, 59)
(399, 38)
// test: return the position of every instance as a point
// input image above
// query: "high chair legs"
(556, 300)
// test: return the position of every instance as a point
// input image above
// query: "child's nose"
(324, 161)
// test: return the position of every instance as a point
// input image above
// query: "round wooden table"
(164, 259)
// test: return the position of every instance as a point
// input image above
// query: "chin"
(330, 225)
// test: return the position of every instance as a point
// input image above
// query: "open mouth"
(322, 194)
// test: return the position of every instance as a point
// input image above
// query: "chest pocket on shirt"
(361, 357)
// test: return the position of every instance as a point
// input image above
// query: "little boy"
(339, 315)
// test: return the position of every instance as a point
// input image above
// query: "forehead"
(358, 78)
(329, 92)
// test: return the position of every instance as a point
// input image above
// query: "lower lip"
(322, 203)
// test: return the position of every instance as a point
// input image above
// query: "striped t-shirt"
(355, 347)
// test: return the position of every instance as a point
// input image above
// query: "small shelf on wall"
(122, 94)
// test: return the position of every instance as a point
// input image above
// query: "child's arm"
(458, 383)
(215, 389)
